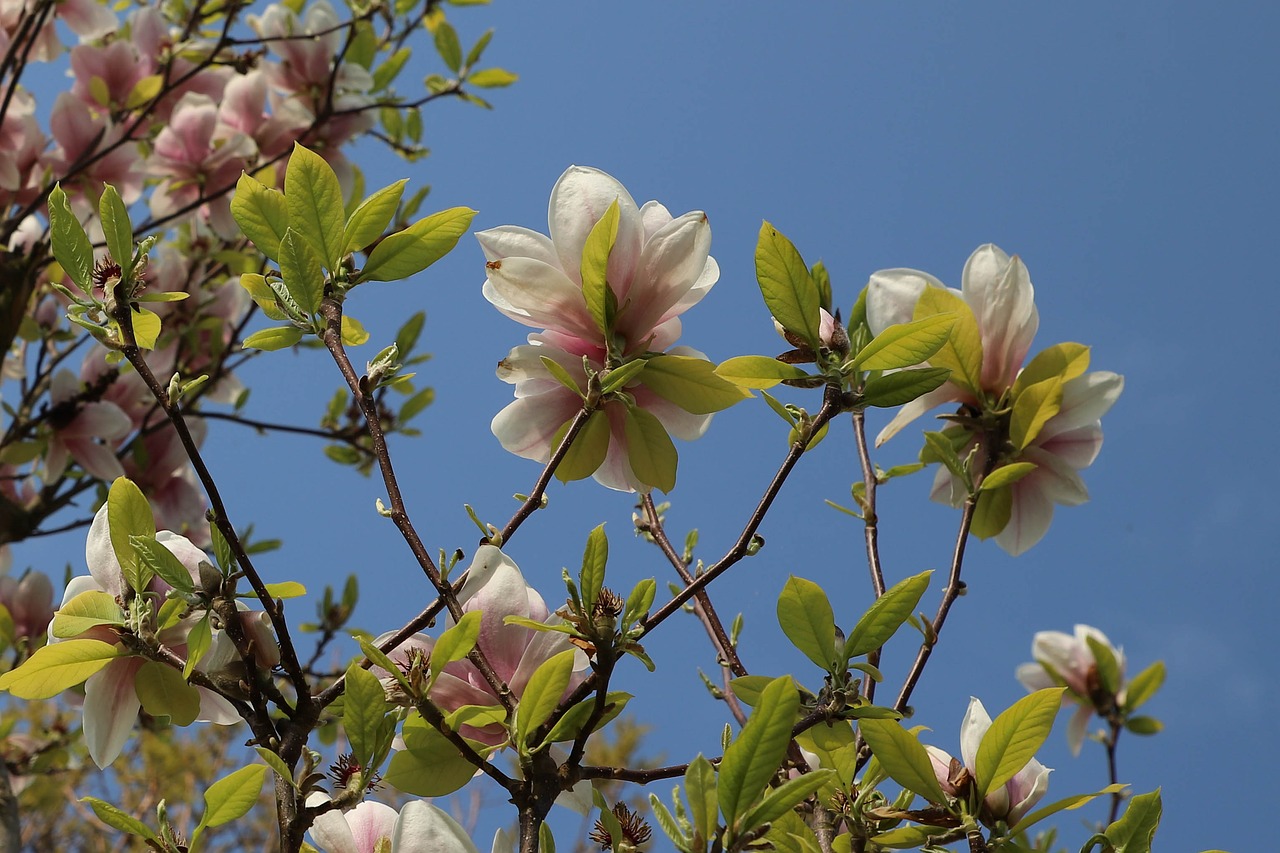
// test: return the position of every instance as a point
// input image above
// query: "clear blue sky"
(1125, 151)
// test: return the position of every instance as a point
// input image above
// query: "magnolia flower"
(111, 702)
(29, 601)
(1066, 659)
(659, 267)
(1012, 800)
(372, 827)
(998, 289)
(78, 428)
(495, 587)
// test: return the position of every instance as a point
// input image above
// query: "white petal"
(998, 289)
(527, 426)
(892, 296)
(974, 725)
(512, 241)
(1028, 521)
(1077, 448)
(1054, 479)
(100, 557)
(671, 263)
(580, 197)
(538, 294)
(332, 834)
(1085, 399)
(917, 407)
(1034, 677)
(1078, 727)
(110, 709)
(423, 828)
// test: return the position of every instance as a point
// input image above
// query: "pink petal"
(511, 241)
(943, 394)
(97, 459)
(527, 426)
(998, 289)
(537, 294)
(580, 197)
(495, 587)
(1053, 478)
(669, 266)
(1028, 521)
(110, 709)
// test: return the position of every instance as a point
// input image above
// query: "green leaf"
(161, 562)
(412, 250)
(650, 452)
(594, 558)
(618, 377)
(1141, 725)
(938, 447)
(262, 295)
(429, 766)
(906, 344)
(372, 217)
(1006, 475)
(314, 200)
(492, 78)
(1108, 667)
(786, 797)
(415, 404)
(54, 668)
(117, 819)
(992, 514)
(1063, 361)
(129, 514)
(455, 643)
(903, 758)
(907, 837)
(700, 787)
(886, 615)
(447, 46)
(199, 639)
(89, 609)
(1136, 828)
(805, 614)
(300, 269)
(836, 748)
(561, 375)
(1014, 737)
(116, 227)
(1032, 409)
(477, 49)
(477, 716)
(748, 688)
(163, 692)
(543, 693)
(589, 448)
(962, 352)
(789, 291)
(601, 302)
(570, 726)
(277, 764)
(1067, 804)
(638, 601)
(903, 386)
(286, 589)
(752, 759)
(269, 340)
(231, 797)
(71, 246)
(146, 327)
(390, 68)
(262, 214)
(757, 371)
(364, 707)
(691, 383)
(1143, 686)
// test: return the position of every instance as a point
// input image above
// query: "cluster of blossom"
(659, 267)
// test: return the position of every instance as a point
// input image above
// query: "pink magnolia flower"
(998, 289)
(78, 429)
(117, 65)
(21, 144)
(111, 702)
(1012, 800)
(659, 268)
(29, 601)
(1067, 659)
(372, 827)
(80, 135)
(495, 587)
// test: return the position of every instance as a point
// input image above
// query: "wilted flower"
(659, 267)
(495, 587)
(1066, 659)
(372, 827)
(1012, 800)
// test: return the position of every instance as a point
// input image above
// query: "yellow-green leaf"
(1014, 737)
(587, 453)
(691, 383)
(789, 291)
(89, 609)
(757, 371)
(276, 338)
(315, 207)
(262, 214)
(595, 266)
(652, 456)
(163, 692)
(54, 668)
(372, 217)
(906, 344)
(1033, 408)
(412, 250)
(962, 352)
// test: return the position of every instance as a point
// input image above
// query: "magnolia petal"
(671, 263)
(495, 587)
(709, 276)
(578, 201)
(424, 828)
(892, 296)
(1025, 789)
(1034, 677)
(655, 216)
(998, 289)
(1077, 728)
(615, 473)
(1067, 656)
(110, 709)
(100, 557)
(941, 761)
(188, 554)
(1053, 478)
(98, 420)
(512, 241)
(96, 459)
(1085, 399)
(677, 422)
(1028, 519)
(537, 294)
(527, 426)
(974, 725)
(943, 394)
(1077, 448)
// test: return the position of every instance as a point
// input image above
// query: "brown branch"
(871, 530)
(534, 502)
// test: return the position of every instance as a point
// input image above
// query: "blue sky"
(1125, 151)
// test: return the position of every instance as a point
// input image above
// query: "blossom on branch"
(372, 827)
(1068, 659)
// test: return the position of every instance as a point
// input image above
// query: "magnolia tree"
(193, 180)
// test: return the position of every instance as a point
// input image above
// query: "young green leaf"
(752, 759)
(789, 291)
(650, 452)
(364, 707)
(691, 383)
(199, 639)
(1067, 804)
(492, 78)
(906, 344)
(447, 45)
(129, 514)
(962, 352)
(1032, 409)
(269, 340)
(903, 757)
(116, 228)
(262, 214)
(594, 559)
(231, 797)
(639, 601)
(160, 561)
(620, 376)
(54, 668)
(117, 819)
(886, 615)
(1144, 685)
(570, 726)
(700, 787)
(455, 643)
(163, 692)
(429, 766)
(1061, 361)
(589, 448)
(71, 246)
(1014, 737)
(1136, 828)
(412, 250)
(757, 371)
(601, 302)
(805, 614)
(89, 609)
(903, 386)
(543, 692)
(371, 218)
(786, 797)
(1006, 475)
(1108, 667)
(300, 269)
(315, 205)
(992, 514)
